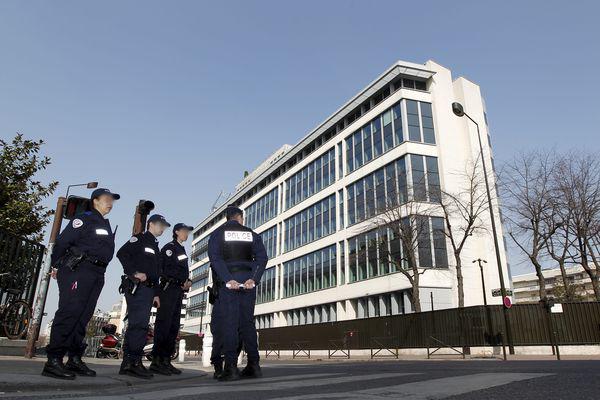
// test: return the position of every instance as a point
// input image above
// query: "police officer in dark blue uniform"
(174, 281)
(81, 253)
(141, 259)
(239, 258)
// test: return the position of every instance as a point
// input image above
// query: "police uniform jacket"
(141, 254)
(90, 232)
(174, 262)
(237, 253)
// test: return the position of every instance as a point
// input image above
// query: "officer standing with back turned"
(239, 258)
(81, 253)
(140, 257)
(174, 280)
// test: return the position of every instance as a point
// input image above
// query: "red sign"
(507, 302)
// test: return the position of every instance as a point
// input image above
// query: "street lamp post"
(459, 111)
(89, 185)
(479, 261)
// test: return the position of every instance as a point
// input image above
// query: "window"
(386, 131)
(269, 238)
(311, 179)
(311, 224)
(265, 291)
(313, 271)
(262, 210)
(311, 315)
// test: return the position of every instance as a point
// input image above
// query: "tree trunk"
(460, 281)
(569, 294)
(540, 275)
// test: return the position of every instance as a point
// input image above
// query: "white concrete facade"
(456, 145)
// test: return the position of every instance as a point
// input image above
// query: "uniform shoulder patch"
(169, 253)
(133, 239)
(77, 223)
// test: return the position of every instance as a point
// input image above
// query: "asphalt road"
(303, 380)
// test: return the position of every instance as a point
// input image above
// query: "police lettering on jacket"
(141, 254)
(233, 245)
(174, 261)
(90, 232)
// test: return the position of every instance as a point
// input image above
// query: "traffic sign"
(498, 292)
(507, 302)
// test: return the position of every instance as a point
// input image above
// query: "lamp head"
(92, 185)
(457, 109)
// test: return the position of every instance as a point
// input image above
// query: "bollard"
(181, 351)
(207, 343)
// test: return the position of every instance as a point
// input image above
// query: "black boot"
(158, 366)
(230, 373)
(252, 370)
(218, 369)
(134, 368)
(54, 368)
(171, 367)
(76, 364)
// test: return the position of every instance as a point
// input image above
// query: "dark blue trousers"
(236, 323)
(167, 323)
(78, 293)
(139, 306)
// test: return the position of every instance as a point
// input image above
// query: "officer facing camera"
(239, 258)
(140, 258)
(81, 253)
(174, 281)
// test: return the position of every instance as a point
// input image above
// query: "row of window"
(265, 291)
(311, 179)
(269, 238)
(312, 315)
(311, 272)
(380, 305)
(386, 131)
(261, 210)
(310, 224)
(264, 321)
(195, 307)
(381, 252)
(200, 249)
(373, 194)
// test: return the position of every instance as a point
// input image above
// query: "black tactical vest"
(237, 243)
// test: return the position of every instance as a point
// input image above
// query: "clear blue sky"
(172, 101)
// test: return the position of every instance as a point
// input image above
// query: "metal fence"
(22, 259)
(578, 324)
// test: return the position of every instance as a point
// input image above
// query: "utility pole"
(479, 261)
(40, 299)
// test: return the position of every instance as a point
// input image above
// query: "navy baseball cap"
(232, 211)
(100, 191)
(158, 218)
(181, 225)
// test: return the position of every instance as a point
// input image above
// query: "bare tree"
(527, 193)
(407, 224)
(578, 183)
(560, 246)
(463, 210)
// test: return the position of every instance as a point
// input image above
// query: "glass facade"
(385, 132)
(200, 249)
(269, 238)
(311, 272)
(370, 252)
(425, 178)
(311, 179)
(381, 189)
(196, 305)
(265, 291)
(312, 315)
(264, 321)
(310, 224)
(262, 210)
(199, 276)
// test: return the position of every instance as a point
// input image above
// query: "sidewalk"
(22, 375)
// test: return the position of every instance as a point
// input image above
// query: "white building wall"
(456, 146)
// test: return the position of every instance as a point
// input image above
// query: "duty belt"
(95, 261)
(239, 268)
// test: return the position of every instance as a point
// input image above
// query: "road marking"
(428, 389)
(246, 385)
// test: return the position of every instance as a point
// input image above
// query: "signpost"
(507, 302)
(498, 292)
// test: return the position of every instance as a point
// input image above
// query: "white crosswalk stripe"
(428, 389)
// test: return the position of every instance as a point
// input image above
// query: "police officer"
(81, 253)
(174, 280)
(239, 258)
(140, 257)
